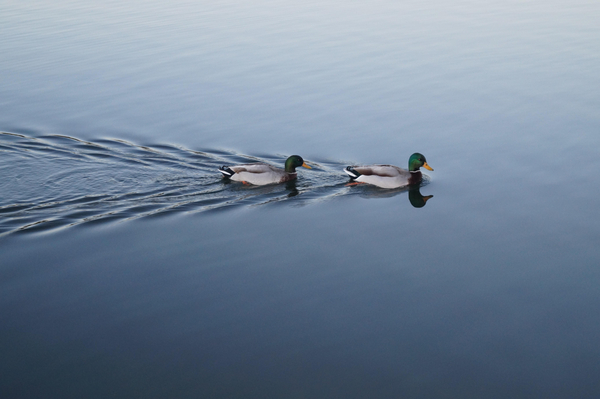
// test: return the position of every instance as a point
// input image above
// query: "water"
(129, 268)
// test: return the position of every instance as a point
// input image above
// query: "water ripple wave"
(55, 181)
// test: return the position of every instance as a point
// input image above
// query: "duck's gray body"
(384, 176)
(257, 173)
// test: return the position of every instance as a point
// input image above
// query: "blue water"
(129, 268)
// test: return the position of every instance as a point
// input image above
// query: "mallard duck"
(261, 173)
(389, 176)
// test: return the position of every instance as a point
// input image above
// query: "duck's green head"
(416, 161)
(293, 162)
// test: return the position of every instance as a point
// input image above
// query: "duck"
(390, 176)
(261, 173)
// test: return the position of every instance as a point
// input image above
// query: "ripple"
(56, 181)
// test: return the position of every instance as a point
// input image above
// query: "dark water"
(129, 268)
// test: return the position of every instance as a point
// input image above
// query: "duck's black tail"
(226, 170)
(352, 172)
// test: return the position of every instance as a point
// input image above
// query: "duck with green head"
(389, 176)
(262, 173)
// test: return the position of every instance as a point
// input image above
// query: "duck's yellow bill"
(427, 198)
(427, 167)
(308, 167)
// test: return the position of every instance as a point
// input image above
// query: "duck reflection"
(325, 187)
(415, 197)
(259, 195)
(291, 187)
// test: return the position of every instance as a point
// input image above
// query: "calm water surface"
(129, 268)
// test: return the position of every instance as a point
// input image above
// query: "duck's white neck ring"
(414, 171)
